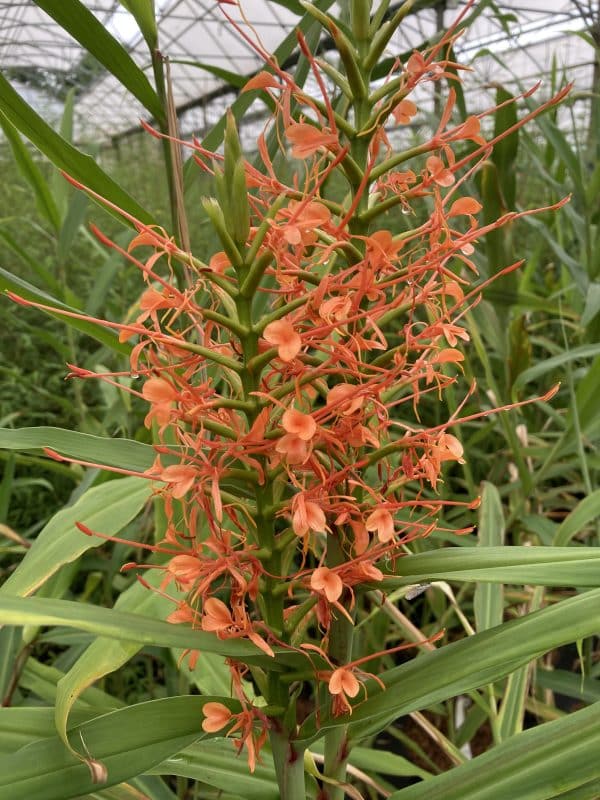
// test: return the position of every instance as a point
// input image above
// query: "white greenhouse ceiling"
(42, 61)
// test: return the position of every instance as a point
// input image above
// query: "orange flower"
(180, 479)
(307, 516)
(342, 685)
(345, 399)
(304, 220)
(301, 425)
(440, 174)
(327, 582)
(382, 522)
(295, 449)
(464, 205)
(216, 716)
(282, 335)
(161, 395)
(404, 112)
(306, 139)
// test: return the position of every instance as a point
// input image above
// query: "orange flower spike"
(216, 717)
(326, 581)
(301, 425)
(282, 335)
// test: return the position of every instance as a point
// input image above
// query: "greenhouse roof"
(42, 60)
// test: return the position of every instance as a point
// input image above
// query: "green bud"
(222, 191)
(215, 214)
(238, 205)
(233, 148)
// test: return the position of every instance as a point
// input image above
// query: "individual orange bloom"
(344, 399)
(185, 569)
(464, 205)
(219, 262)
(182, 614)
(216, 716)
(218, 619)
(295, 449)
(307, 139)
(161, 395)
(179, 479)
(307, 516)
(216, 616)
(282, 335)
(381, 522)
(301, 425)
(342, 685)
(304, 221)
(450, 448)
(335, 309)
(327, 582)
(262, 80)
(404, 112)
(440, 174)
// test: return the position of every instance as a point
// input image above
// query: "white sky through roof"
(195, 30)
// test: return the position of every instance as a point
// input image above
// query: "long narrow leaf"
(106, 508)
(536, 765)
(63, 155)
(122, 453)
(77, 20)
(32, 174)
(464, 665)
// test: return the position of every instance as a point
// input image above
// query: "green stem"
(289, 766)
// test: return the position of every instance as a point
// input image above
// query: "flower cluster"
(284, 374)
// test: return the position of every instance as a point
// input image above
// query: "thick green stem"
(289, 766)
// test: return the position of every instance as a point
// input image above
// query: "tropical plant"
(296, 383)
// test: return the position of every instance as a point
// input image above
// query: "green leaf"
(64, 156)
(538, 764)
(231, 78)
(544, 566)
(40, 270)
(61, 189)
(106, 655)
(464, 665)
(555, 362)
(143, 13)
(121, 453)
(32, 174)
(505, 151)
(579, 687)
(79, 22)
(106, 508)
(21, 725)
(132, 628)
(489, 597)
(27, 291)
(586, 511)
(74, 219)
(127, 742)
(217, 764)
